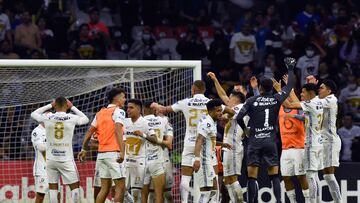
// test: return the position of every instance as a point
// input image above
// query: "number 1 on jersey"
(266, 123)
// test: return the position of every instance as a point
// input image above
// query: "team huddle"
(133, 161)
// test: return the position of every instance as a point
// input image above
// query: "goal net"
(26, 85)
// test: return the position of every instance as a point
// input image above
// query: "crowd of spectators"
(236, 39)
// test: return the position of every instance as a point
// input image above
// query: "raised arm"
(82, 118)
(243, 112)
(161, 109)
(254, 86)
(37, 114)
(220, 91)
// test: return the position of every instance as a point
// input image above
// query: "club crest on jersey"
(34, 134)
(208, 125)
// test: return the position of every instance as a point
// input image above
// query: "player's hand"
(82, 155)
(212, 76)
(53, 103)
(285, 78)
(69, 104)
(196, 165)
(240, 88)
(253, 82)
(276, 85)
(154, 105)
(311, 79)
(120, 159)
(289, 116)
(227, 146)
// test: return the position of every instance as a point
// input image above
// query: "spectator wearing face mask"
(309, 63)
(143, 49)
(350, 97)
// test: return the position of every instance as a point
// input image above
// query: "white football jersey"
(169, 133)
(38, 140)
(207, 128)
(59, 130)
(313, 110)
(193, 109)
(330, 107)
(160, 126)
(233, 132)
(135, 145)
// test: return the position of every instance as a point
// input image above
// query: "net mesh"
(25, 89)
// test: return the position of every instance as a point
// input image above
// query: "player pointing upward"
(59, 130)
(194, 109)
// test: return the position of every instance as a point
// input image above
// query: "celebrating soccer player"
(263, 111)
(59, 130)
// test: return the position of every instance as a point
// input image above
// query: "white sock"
(333, 187)
(318, 197)
(75, 195)
(168, 196)
(214, 196)
(237, 191)
(151, 197)
(204, 196)
(291, 195)
(217, 186)
(53, 196)
(311, 178)
(128, 198)
(306, 195)
(231, 192)
(185, 188)
(136, 193)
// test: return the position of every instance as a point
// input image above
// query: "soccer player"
(108, 126)
(292, 132)
(313, 109)
(137, 131)
(59, 130)
(204, 152)
(194, 109)
(155, 171)
(331, 141)
(263, 111)
(232, 135)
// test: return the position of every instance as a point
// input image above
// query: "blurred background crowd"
(236, 39)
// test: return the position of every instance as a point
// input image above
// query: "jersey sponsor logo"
(152, 123)
(60, 118)
(152, 157)
(192, 139)
(56, 152)
(34, 134)
(262, 135)
(208, 125)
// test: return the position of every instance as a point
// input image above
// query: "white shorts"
(332, 154)
(205, 176)
(135, 176)
(188, 156)
(110, 168)
(169, 178)
(41, 184)
(152, 170)
(67, 170)
(232, 162)
(313, 158)
(292, 162)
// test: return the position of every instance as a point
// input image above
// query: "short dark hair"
(113, 92)
(60, 101)
(266, 84)
(331, 85)
(239, 95)
(310, 87)
(350, 115)
(200, 85)
(137, 102)
(212, 104)
(147, 104)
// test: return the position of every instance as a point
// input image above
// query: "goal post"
(26, 85)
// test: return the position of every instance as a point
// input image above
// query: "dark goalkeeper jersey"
(263, 111)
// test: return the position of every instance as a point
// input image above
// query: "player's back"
(158, 124)
(38, 138)
(330, 109)
(59, 128)
(313, 110)
(233, 132)
(263, 112)
(193, 109)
